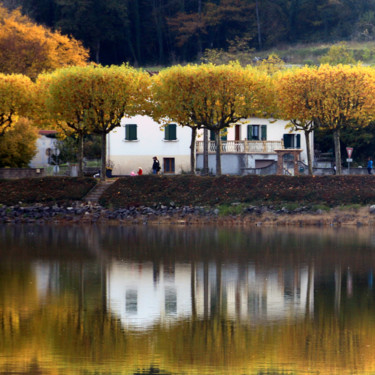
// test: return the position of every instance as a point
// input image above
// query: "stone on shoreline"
(85, 213)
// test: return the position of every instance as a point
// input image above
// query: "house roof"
(47, 132)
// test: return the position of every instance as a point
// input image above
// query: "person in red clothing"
(140, 172)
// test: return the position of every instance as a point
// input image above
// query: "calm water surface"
(150, 300)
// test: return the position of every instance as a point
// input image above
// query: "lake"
(186, 300)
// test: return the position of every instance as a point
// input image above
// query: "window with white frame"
(256, 132)
(292, 140)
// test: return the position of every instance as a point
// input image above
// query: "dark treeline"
(162, 32)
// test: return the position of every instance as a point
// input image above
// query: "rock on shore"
(87, 213)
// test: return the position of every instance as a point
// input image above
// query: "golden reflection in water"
(99, 344)
(71, 329)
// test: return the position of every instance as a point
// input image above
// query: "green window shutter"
(131, 132)
(171, 132)
(298, 141)
(287, 141)
(264, 132)
(249, 132)
(166, 132)
(212, 135)
(223, 134)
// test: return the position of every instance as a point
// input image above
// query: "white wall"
(40, 160)
(128, 156)
(275, 131)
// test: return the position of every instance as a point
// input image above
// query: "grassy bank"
(311, 53)
(185, 190)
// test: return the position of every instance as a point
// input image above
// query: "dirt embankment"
(187, 190)
(227, 200)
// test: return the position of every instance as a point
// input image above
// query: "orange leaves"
(30, 49)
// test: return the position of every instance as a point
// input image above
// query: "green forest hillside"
(164, 32)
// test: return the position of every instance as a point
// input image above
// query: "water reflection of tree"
(269, 246)
(72, 329)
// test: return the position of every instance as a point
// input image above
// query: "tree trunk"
(308, 150)
(80, 155)
(205, 152)
(104, 157)
(138, 32)
(258, 24)
(336, 139)
(97, 52)
(159, 32)
(199, 44)
(132, 50)
(192, 289)
(192, 149)
(218, 152)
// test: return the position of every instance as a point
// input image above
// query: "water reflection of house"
(142, 294)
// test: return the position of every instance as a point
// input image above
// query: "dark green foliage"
(69, 148)
(163, 32)
(44, 190)
(195, 190)
(361, 139)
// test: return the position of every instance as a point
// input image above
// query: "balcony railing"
(243, 146)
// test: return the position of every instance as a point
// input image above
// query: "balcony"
(245, 147)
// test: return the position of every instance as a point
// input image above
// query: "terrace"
(245, 147)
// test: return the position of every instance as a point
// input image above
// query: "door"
(168, 164)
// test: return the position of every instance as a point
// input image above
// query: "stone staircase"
(95, 193)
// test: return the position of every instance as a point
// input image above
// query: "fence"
(243, 146)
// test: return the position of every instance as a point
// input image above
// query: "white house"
(140, 138)
(247, 147)
(251, 145)
(46, 145)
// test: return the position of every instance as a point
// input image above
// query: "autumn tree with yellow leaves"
(211, 97)
(94, 99)
(30, 49)
(172, 91)
(295, 90)
(53, 106)
(16, 98)
(343, 96)
(331, 97)
(18, 145)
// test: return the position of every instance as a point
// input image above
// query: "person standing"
(369, 166)
(155, 165)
